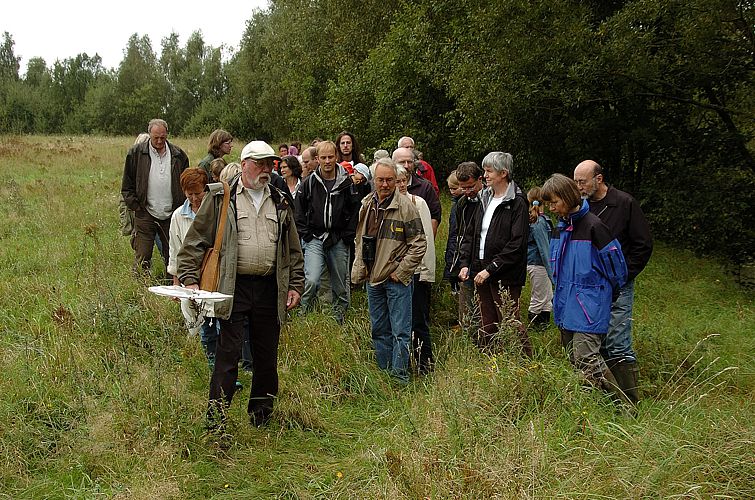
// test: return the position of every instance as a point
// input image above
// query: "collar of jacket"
(487, 194)
(373, 198)
(568, 224)
(186, 210)
(341, 176)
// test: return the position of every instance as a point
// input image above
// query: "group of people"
(291, 223)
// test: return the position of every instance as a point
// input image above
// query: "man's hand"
(176, 283)
(481, 277)
(394, 277)
(292, 300)
(464, 274)
(192, 287)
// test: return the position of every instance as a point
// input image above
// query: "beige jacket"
(289, 266)
(401, 241)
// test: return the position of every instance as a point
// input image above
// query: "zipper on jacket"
(584, 310)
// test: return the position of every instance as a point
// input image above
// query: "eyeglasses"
(264, 163)
(582, 182)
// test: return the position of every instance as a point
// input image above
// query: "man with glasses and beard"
(261, 266)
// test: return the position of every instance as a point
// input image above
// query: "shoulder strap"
(223, 213)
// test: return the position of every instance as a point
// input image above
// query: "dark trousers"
(489, 296)
(254, 301)
(146, 229)
(422, 351)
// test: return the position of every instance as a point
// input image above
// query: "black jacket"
(318, 211)
(465, 216)
(136, 175)
(623, 216)
(505, 243)
(424, 189)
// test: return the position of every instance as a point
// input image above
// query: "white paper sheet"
(186, 293)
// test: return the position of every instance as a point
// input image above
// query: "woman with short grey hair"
(494, 249)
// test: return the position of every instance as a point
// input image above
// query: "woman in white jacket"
(198, 321)
(424, 277)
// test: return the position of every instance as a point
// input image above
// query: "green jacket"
(289, 265)
(400, 245)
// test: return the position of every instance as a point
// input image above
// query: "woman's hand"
(464, 274)
(481, 277)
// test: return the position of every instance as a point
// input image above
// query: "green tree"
(142, 89)
(9, 62)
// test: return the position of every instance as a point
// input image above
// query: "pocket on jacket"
(589, 300)
(271, 222)
(243, 222)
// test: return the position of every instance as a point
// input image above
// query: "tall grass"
(103, 395)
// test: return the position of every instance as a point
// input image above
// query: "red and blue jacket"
(587, 265)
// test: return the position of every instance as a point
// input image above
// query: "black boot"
(543, 319)
(626, 376)
(610, 385)
(531, 318)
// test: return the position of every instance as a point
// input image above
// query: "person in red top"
(424, 169)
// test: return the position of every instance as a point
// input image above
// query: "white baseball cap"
(258, 150)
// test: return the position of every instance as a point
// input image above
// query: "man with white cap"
(261, 266)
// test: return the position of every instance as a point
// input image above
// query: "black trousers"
(255, 300)
(422, 349)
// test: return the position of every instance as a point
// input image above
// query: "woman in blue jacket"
(538, 262)
(588, 268)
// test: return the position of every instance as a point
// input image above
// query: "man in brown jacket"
(151, 187)
(390, 244)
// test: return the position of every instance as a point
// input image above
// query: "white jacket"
(426, 269)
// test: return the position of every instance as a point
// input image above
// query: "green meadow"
(102, 394)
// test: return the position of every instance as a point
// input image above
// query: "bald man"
(623, 216)
(424, 169)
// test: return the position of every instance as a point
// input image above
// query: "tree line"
(659, 92)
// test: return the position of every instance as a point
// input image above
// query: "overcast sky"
(63, 29)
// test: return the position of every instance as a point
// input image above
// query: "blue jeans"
(390, 306)
(336, 258)
(617, 344)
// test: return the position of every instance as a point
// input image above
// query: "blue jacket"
(538, 250)
(587, 265)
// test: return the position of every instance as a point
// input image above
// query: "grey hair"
(398, 144)
(381, 153)
(386, 162)
(401, 170)
(230, 171)
(143, 137)
(157, 121)
(500, 162)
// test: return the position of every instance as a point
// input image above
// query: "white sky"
(61, 29)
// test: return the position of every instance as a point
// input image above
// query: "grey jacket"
(289, 265)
